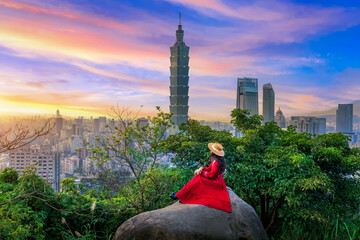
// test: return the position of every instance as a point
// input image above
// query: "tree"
(190, 145)
(289, 178)
(30, 208)
(242, 121)
(126, 159)
(21, 135)
(295, 176)
(9, 175)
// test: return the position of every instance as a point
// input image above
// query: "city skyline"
(86, 57)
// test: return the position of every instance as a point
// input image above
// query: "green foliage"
(21, 214)
(189, 145)
(292, 180)
(302, 186)
(157, 184)
(31, 209)
(297, 178)
(69, 186)
(127, 157)
(242, 120)
(9, 175)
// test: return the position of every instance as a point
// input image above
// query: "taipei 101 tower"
(179, 78)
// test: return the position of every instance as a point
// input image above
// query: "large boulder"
(190, 221)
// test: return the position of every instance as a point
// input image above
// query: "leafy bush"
(9, 175)
(296, 182)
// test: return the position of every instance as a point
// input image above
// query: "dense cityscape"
(286, 162)
(62, 154)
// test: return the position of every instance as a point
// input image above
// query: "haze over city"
(85, 58)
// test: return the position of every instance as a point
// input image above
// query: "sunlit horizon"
(84, 58)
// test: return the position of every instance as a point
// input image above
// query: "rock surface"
(190, 221)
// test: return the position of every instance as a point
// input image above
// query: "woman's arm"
(214, 168)
(198, 171)
(206, 168)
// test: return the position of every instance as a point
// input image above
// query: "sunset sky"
(83, 57)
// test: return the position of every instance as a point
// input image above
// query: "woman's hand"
(198, 171)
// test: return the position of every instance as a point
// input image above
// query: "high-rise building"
(48, 162)
(247, 94)
(75, 130)
(59, 121)
(308, 124)
(102, 123)
(344, 118)
(179, 78)
(280, 118)
(79, 120)
(322, 125)
(76, 142)
(70, 164)
(268, 102)
(96, 126)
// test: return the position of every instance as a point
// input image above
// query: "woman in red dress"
(208, 187)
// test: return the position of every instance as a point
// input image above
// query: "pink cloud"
(281, 23)
(252, 12)
(69, 35)
(72, 35)
(66, 13)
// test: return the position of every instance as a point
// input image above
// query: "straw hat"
(217, 149)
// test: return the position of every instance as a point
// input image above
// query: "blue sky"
(83, 57)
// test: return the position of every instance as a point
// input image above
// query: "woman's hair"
(220, 160)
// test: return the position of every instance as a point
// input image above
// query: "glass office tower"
(268, 103)
(344, 118)
(247, 94)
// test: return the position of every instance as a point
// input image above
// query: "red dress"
(207, 188)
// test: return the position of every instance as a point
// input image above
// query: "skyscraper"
(344, 118)
(280, 118)
(96, 126)
(268, 102)
(59, 122)
(247, 94)
(179, 78)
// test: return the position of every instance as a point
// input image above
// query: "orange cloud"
(19, 34)
(143, 82)
(66, 13)
(72, 41)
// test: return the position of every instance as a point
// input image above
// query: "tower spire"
(179, 32)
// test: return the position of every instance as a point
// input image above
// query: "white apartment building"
(69, 165)
(4, 161)
(48, 166)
